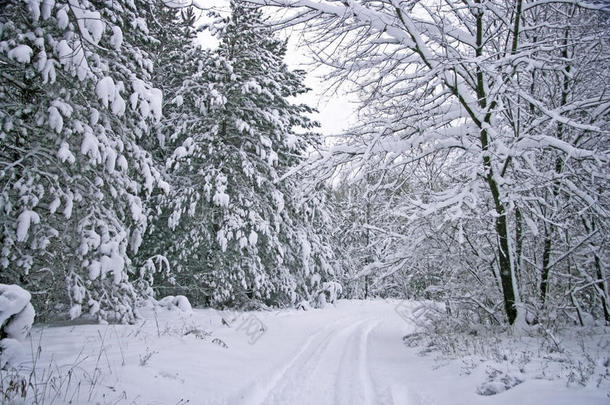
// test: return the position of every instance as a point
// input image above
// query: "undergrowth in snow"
(82, 363)
(503, 359)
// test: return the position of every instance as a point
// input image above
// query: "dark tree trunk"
(603, 290)
(501, 221)
(548, 241)
(546, 258)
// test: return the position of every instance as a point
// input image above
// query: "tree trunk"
(603, 290)
(518, 246)
(548, 242)
(546, 258)
(506, 273)
(501, 222)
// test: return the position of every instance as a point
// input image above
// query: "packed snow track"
(331, 367)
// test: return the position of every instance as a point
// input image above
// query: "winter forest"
(177, 227)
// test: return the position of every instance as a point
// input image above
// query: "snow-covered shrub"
(329, 292)
(304, 305)
(332, 289)
(16, 319)
(319, 301)
(576, 355)
(497, 382)
(156, 265)
(179, 301)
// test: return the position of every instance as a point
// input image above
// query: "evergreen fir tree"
(180, 74)
(76, 101)
(240, 228)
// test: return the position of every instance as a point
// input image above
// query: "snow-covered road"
(327, 357)
(331, 367)
(351, 354)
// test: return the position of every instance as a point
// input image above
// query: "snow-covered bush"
(304, 305)
(329, 293)
(497, 382)
(16, 319)
(178, 302)
(333, 290)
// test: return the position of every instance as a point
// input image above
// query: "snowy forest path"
(334, 366)
(350, 353)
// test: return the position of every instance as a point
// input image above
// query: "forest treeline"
(134, 161)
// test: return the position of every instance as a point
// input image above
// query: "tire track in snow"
(313, 381)
(354, 383)
(292, 377)
(363, 368)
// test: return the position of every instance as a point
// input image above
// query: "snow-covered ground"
(351, 353)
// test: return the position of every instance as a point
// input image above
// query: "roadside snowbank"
(16, 319)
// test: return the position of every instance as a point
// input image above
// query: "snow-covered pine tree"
(315, 259)
(75, 99)
(237, 230)
(179, 74)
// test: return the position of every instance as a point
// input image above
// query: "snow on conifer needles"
(109, 188)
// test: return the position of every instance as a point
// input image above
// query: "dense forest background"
(134, 162)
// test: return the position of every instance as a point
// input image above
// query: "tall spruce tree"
(240, 237)
(179, 73)
(76, 101)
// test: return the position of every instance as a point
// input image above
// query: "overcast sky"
(336, 111)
